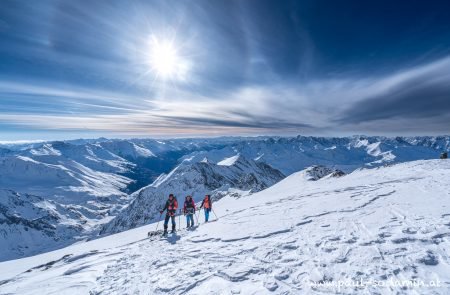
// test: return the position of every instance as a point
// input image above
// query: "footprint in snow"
(410, 231)
(429, 259)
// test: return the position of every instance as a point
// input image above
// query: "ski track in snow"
(373, 224)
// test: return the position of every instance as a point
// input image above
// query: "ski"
(160, 233)
(192, 228)
(154, 233)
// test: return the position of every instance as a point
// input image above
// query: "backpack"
(189, 204)
(171, 205)
(207, 202)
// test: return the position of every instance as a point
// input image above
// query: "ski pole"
(158, 221)
(214, 213)
(196, 218)
(179, 221)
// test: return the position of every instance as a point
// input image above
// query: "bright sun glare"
(165, 60)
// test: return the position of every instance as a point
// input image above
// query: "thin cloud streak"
(420, 92)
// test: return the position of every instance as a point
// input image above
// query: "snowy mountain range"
(293, 154)
(69, 191)
(32, 225)
(236, 176)
(386, 229)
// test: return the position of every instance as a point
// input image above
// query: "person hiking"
(171, 207)
(189, 211)
(207, 205)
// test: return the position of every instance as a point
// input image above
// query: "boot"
(174, 229)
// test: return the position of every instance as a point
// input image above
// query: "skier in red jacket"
(171, 207)
(189, 210)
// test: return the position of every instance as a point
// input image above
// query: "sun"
(165, 61)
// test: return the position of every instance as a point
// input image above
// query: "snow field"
(377, 224)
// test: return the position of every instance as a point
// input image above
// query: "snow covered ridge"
(292, 154)
(229, 161)
(31, 225)
(387, 225)
(242, 176)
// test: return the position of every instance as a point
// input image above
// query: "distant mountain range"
(56, 193)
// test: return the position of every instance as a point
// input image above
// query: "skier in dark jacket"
(171, 207)
(189, 211)
(207, 204)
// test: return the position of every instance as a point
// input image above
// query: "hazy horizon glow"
(175, 69)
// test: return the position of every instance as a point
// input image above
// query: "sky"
(72, 69)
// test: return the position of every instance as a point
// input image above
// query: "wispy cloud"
(419, 93)
(334, 105)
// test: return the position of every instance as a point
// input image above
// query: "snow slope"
(387, 224)
(93, 179)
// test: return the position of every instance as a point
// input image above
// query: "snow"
(143, 152)
(82, 182)
(45, 150)
(127, 149)
(189, 159)
(389, 223)
(30, 224)
(292, 154)
(90, 181)
(259, 157)
(229, 161)
(318, 172)
(163, 178)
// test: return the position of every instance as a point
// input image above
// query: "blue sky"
(72, 69)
